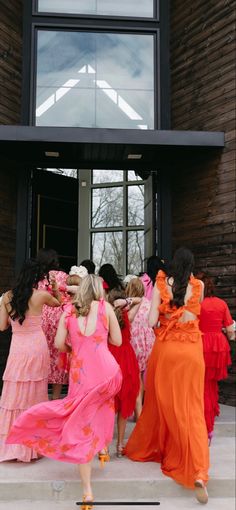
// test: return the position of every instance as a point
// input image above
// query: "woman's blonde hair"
(90, 289)
(135, 288)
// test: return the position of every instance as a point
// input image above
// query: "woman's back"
(214, 315)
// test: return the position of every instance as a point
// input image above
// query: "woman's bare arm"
(154, 310)
(4, 315)
(61, 335)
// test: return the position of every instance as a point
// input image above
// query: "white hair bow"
(78, 271)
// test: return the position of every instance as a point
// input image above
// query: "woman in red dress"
(214, 316)
(125, 400)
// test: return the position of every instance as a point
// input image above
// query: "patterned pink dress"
(75, 428)
(142, 336)
(25, 382)
(50, 319)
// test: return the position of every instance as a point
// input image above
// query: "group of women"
(118, 343)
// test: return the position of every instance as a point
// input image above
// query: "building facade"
(143, 91)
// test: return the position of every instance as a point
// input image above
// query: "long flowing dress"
(75, 428)
(171, 429)
(50, 320)
(214, 316)
(25, 382)
(142, 336)
(125, 399)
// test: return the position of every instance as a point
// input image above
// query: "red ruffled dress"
(214, 316)
(125, 400)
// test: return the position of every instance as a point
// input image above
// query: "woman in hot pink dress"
(26, 374)
(48, 259)
(75, 428)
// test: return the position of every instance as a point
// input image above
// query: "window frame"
(155, 17)
(101, 29)
(125, 228)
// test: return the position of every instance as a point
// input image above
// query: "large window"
(131, 8)
(117, 220)
(87, 79)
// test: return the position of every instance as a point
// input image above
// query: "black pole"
(118, 503)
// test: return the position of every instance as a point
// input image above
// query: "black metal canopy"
(64, 147)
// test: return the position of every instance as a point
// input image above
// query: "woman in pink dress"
(48, 259)
(154, 264)
(26, 374)
(214, 316)
(142, 335)
(77, 427)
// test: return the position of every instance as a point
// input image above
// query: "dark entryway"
(55, 215)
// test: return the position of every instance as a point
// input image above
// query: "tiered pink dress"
(142, 336)
(50, 320)
(25, 382)
(75, 428)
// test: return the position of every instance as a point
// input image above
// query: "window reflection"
(135, 244)
(103, 7)
(108, 247)
(95, 80)
(103, 176)
(136, 205)
(107, 207)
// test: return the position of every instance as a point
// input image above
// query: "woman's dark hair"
(109, 275)
(180, 270)
(112, 296)
(27, 280)
(209, 286)
(89, 264)
(154, 264)
(48, 260)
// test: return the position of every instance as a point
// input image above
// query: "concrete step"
(57, 482)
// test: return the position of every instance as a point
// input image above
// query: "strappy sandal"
(201, 491)
(87, 503)
(104, 457)
(119, 450)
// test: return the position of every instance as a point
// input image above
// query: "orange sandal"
(87, 503)
(103, 456)
(201, 491)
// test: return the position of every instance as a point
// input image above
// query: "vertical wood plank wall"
(10, 111)
(203, 73)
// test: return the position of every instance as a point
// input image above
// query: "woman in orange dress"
(171, 429)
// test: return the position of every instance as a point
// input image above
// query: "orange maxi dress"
(172, 429)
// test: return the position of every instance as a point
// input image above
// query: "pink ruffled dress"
(142, 336)
(25, 382)
(75, 428)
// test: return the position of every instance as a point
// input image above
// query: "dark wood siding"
(10, 113)
(203, 60)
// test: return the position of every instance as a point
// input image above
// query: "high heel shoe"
(119, 450)
(103, 456)
(201, 491)
(87, 503)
